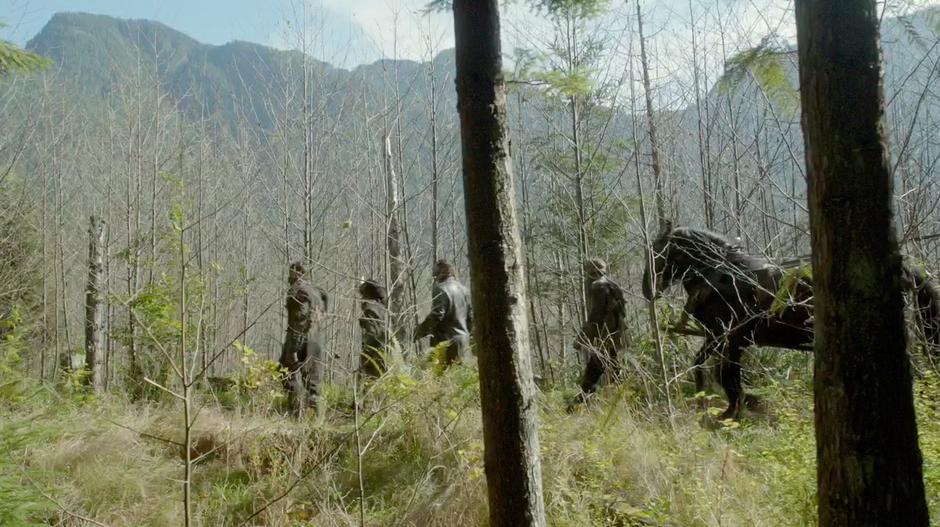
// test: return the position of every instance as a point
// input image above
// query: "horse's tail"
(927, 306)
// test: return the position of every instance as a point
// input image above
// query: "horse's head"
(680, 253)
(660, 270)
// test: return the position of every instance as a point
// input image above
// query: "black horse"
(742, 300)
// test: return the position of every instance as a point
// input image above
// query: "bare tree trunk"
(560, 307)
(94, 355)
(435, 177)
(737, 211)
(69, 358)
(707, 203)
(647, 243)
(200, 245)
(501, 329)
(395, 285)
(135, 371)
(306, 172)
(44, 273)
(868, 462)
(402, 208)
(658, 177)
(527, 247)
(186, 382)
(246, 271)
(155, 169)
(579, 202)
(109, 276)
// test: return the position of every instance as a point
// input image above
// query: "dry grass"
(616, 462)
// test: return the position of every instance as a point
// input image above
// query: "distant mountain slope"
(99, 58)
(94, 54)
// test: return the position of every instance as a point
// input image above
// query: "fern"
(787, 288)
(564, 83)
(15, 60)
(764, 65)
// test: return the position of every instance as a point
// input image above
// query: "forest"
(599, 263)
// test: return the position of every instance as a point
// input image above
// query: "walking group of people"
(449, 324)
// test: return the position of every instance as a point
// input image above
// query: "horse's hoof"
(730, 413)
(575, 403)
(709, 422)
(754, 404)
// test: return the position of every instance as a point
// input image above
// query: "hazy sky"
(355, 31)
(352, 32)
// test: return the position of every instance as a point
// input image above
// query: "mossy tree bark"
(510, 431)
(868, 462)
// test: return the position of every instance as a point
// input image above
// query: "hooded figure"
(450, 319)
(604, 333)
(301, 353)
(373, 325)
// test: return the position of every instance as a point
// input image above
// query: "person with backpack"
(301, 354)
(373, 323)
(604, 334)
(450, 320)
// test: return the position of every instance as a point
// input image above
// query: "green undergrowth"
(620, 460)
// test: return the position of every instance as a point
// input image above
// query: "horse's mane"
(719, 244)
(702, 236)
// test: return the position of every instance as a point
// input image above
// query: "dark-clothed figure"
(373, 325)
(604, 334)
(450, 319)
(301, 353)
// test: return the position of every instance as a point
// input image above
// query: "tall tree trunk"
(200, 245)
(435, 176)
(70, 356)
(501, 329)
(703, 150)
(307, 131)
(155, 169)
(868, 462)
(402, 210)
(527, 247)
(395, 285)
(246, 268)
(647, 242)
(571, 26)
(134, 201)
(109, 276)
(658, 177)
(44, 272)
(579, 202)
(737, 212)
(94, 354)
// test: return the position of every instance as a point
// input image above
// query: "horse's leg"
(729, 374)
(593, 372)
(698, 372)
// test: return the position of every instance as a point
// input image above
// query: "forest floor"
(619, 461)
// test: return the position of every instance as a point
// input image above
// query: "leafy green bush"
(21, 502)
(927, 404)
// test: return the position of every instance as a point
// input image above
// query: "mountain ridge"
(96, 52)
